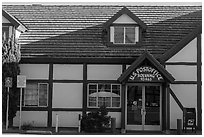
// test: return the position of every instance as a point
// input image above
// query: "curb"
(38, 132)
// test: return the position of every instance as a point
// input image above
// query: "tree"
(10, 68)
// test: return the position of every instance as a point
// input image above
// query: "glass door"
(143, 107)
(134, 107)
(152, 108)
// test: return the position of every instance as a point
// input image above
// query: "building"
(11, 27)
(142, 62)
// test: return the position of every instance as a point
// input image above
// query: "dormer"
(124, 29)
(11, 27)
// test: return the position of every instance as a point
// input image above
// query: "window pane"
(92, 88)
(118, 34)
(31, 95)
(104, 101)
(43, 94)
(116, 102)
(116, 89)
(130, 35)
(92, 101)
(104, 88)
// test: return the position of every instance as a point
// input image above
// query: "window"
(36, 94)
(124, 35)
(5, 33)
(104, 95)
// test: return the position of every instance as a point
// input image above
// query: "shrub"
(96, 121)
(26, 126)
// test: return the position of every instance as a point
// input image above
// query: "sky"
(107, 2)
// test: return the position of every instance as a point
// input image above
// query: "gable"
(125, 13)
(182, 44)
(19, 26)
(147, 64)
(4, 20)
(124, 19)
(183, 54)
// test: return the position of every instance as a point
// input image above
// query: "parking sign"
(21, 81)
(8, 82)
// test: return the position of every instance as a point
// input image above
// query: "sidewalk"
(45, 131)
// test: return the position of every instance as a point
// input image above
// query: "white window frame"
(38, 90)
(97, 96)
(112, 33)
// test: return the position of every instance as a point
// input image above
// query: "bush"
(26, 126)
(96, 121)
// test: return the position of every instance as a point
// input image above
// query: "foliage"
(10, 68)
(26, 126)
(10, 52)
(96, 121)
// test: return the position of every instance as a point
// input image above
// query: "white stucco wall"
(4, 20)
(66, 119)
(104, 72)
(116, 115)
(35, 118)
(183, 72)
(67, 72)
(124, 19)
(35, 71)
(187, 94)
(67, 95)
(187, 54)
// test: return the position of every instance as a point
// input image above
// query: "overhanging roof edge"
(136, 63)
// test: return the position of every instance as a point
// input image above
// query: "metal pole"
(79, 126)
(57, 122)
(7, 110)
(20, 108)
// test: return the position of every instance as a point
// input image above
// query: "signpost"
(21, 83)
(8, 84)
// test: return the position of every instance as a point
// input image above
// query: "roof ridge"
(108, 5)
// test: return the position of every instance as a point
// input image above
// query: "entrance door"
(143, 107)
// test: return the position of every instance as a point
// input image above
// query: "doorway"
(143, 107)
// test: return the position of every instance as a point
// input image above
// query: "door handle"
(143, 111)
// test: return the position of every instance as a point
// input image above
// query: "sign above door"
(146, 69)
(145, 74)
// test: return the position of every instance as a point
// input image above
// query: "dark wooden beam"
(199, 84)
(84, 105)
(175, 98)
(49, 122)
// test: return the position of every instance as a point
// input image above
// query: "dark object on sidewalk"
(96, 121)
(113, 125)
(189, 119)
(179, 129)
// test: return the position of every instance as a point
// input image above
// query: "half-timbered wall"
(183, 67)
(67, 95)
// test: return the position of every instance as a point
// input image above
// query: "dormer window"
(124, 34)
(124, 28)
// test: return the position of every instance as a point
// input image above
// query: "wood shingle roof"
(75, 31)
